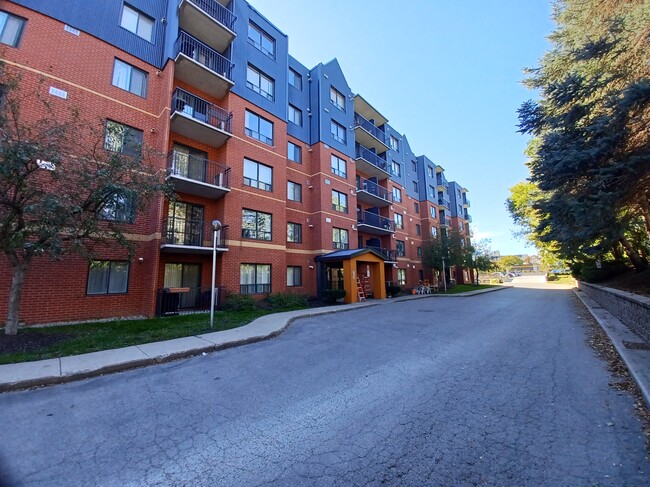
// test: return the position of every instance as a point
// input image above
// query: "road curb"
(609, 323)
(173, 356)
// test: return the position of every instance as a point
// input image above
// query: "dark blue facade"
(299, 97)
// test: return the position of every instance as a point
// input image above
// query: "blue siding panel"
(101, 19)
(300, 99)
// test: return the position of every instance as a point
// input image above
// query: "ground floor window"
(254, 278)
(294, 276)
(185, 276)
(108, 277)
(401, 277)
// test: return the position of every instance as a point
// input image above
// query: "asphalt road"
(498, 389)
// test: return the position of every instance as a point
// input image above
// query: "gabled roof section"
(347, 254)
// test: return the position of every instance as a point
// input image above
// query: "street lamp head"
(216, 225)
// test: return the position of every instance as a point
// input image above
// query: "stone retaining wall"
(633, 310)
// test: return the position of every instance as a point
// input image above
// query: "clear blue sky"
(446, 73)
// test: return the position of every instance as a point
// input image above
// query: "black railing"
(217, 11)
(373, 188)
(173, 301)
(201, 110)
(204, 55)
(441, 181)
(254, 288)
(369, 127)
(198, 169)
(389, 255)
(340, 245)
(466, 202)
(374, 220)
(192, 233)
(369, 156)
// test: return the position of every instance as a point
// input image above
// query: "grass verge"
(561, 280)
(465, 288)
(61, 341)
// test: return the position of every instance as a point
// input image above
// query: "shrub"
(393, 290)
(588, 272)
(333, 295)
(285, 301)
(240, 302)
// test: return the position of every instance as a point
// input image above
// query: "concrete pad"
(44, 370)
(107, 360)
(178, 346)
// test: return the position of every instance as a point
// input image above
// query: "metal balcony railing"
(188, 300)
(217, 11)
(201, 110)
(466, 202)
(254, 288)
(198, 169)
(340, 245)
(390, 255)
(373, 188)
(369, 127)
(369, 156)
(193, 233)
(374, 220)
(204, 55)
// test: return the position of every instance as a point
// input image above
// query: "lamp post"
(216, 226)
(444, 278)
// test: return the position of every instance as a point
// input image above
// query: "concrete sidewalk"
(65, 369)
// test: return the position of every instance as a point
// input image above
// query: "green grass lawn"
(61, 341)
(561, 280)
(465, 288)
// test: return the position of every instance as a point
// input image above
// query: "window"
(432, 210)
(420, 252)
(119, 207)
(129, 78)
(108, 277)
(260, 83)
(339, 201)
(461, 226)
(401, 248)
(393, 143)
(338, 166)
(434, 231)
(295, 79)
(414, 166)
(397, 195)
(416, 187)
(395, 168)
(430, 171)
(122, 138)
(256, 225)
(294, 276)
(261, 40)
(340, 239)
(399, 220)
(294, 152)
(294, 191)
(11, 28)
(418, 230)
(337, 98)
(432, 192)
(295, 115)
(401, 277)
(137, 22)
(254, 278)
(258, 175)
(338, 132)
(416, 207)
(258, 128)
(294, 232)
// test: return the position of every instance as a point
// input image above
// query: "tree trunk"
(645, 213)
(638, 262)
(15, 294)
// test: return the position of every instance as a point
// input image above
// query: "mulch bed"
(29, 342)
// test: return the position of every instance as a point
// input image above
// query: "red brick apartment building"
(313, 187)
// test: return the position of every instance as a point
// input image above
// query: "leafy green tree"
(61, 190)
(507, 262)
(589, 153)
(481, 258)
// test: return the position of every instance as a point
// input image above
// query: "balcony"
(441, 182)
(209, 21)
(466, 203)
(367, 134)
(373, 194)
(389, 255)
(442, 201)
(199, 119)
(370, 163)
(468, 217)
(198, 176)
(201, 66)
(445, 221)
(374, 224)
(184, 236)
